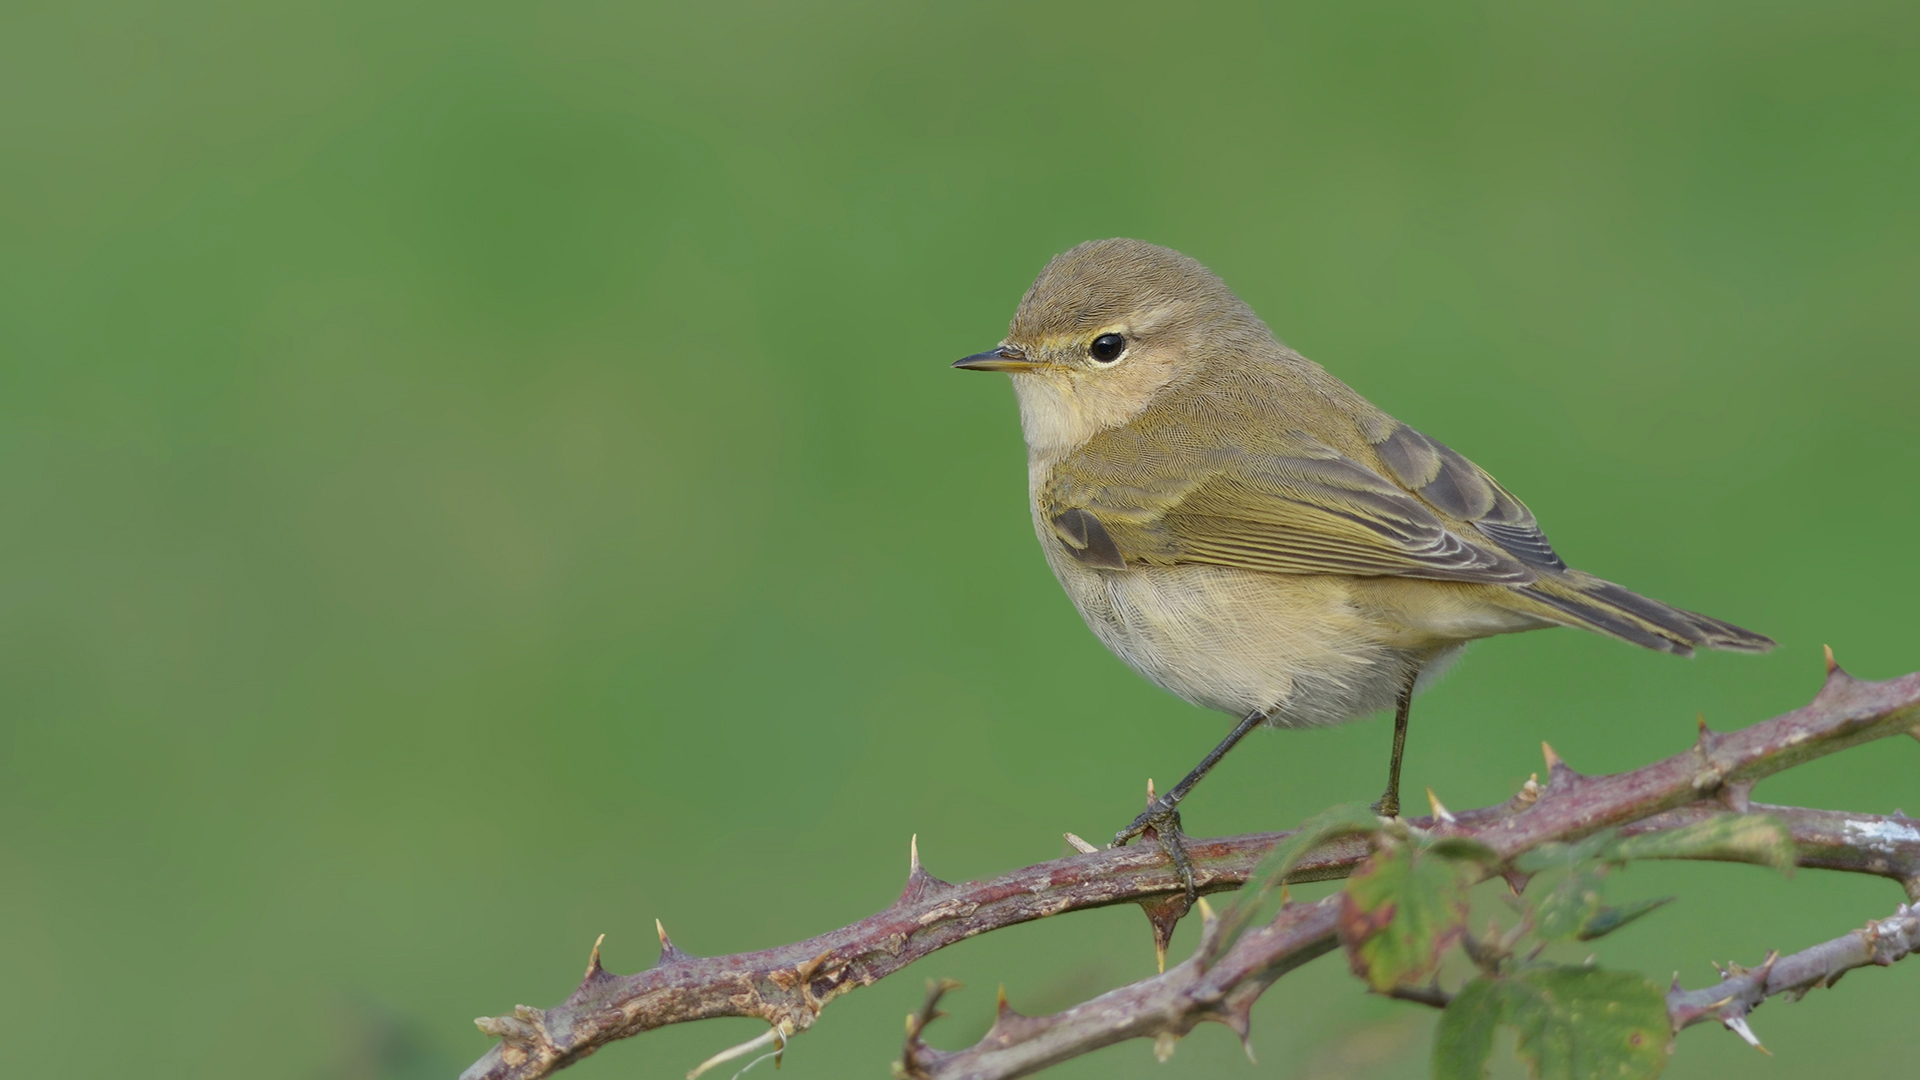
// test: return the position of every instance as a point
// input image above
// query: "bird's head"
(1105, 329)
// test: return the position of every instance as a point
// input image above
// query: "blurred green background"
(479, 476)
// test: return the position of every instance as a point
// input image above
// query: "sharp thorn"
(1239, 1019)
(919, 882)
(1163, 915)
(1163, 1045)
(669, 952)
(1439, 810)
(1836, 675)
(593, 958)
(1150, 795)
(1738, 1025)
(1206, 910)
(1553, 759)
(1080, 845)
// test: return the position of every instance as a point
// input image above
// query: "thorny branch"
(1880, 942)
(789, 985)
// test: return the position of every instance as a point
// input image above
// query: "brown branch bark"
(1845, 713)
(789, 985)
(1881, 943)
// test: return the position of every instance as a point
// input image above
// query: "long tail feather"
(1580, 599)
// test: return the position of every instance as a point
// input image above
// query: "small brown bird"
(1244, 530)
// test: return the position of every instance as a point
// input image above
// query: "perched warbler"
(1244, 530)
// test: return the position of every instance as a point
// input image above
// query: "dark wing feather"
(1459, 488)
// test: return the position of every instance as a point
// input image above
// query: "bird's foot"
(1161, 822)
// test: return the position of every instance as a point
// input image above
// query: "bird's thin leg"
(1389, 804)
(1162, 817)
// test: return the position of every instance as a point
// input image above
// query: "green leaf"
(1255, 902)
(1751, 838)
(1606, 920)
(1463, 1042)
(1558, 856)
(1575, 1023)
(1464, 848)
(1566, 910)
(1399, 910)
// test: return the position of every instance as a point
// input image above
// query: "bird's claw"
(1162, 822)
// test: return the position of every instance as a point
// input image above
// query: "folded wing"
(1292, 506)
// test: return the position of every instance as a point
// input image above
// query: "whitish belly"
(1297, 647)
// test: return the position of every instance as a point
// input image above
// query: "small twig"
(1431, 996)
(771, 1035)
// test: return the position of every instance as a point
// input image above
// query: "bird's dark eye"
(1107, 348)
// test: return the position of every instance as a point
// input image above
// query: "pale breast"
(1297, 647)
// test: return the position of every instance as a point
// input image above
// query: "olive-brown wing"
(1306, 510)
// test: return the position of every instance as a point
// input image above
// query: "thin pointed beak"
(1004, 358)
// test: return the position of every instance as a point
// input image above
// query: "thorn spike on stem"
(1206, 910)
(669, 952)
(593, 958)
(1150, 795)
(1440, 812)
(1832, 664)
(1737, 1024)
(1553, 759)
(1080, 845)
(919, 882)
(1163, 1045)
(1163, 914)
(1239, 1020)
